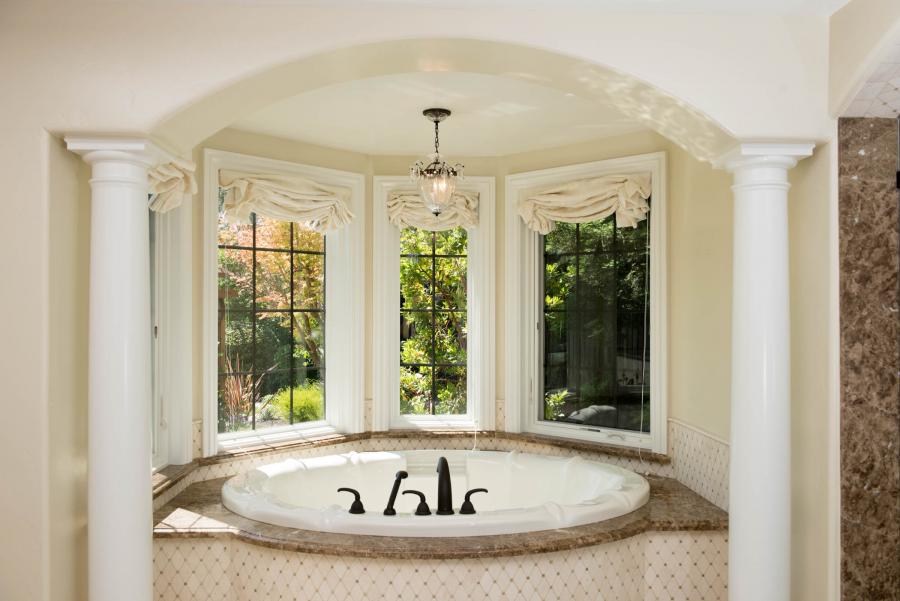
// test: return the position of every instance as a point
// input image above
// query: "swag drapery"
(170, 184)
(590, 199)
(319, 207)
(407, 209)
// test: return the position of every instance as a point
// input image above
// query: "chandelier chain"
(436, 138)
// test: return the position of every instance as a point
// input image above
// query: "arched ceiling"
(637, 100)
(492, 115)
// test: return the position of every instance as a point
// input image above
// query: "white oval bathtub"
(525, 492)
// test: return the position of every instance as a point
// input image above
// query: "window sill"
(238, 443)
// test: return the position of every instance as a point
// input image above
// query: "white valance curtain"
(589, 199)
(171, 184)
(407, 209)
(319, 207)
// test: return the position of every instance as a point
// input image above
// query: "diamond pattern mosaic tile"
(652, 567)
(700, 462)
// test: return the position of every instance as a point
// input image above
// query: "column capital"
(768, 154)
(138, 151)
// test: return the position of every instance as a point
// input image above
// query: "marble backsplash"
(870, 360)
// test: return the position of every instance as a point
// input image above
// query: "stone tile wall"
(870, 360)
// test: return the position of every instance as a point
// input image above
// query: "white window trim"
(480, 302)
(171, 325)
(344, 307)
(523, 323)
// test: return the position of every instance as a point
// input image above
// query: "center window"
(433, 347)
(433, 315)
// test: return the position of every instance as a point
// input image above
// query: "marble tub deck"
(198, 512)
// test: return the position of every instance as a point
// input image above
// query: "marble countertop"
(198, 513)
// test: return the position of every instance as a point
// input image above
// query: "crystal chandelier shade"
(436, 179)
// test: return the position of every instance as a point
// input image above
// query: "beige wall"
(70, 229)
(813, 378)
(699, 254)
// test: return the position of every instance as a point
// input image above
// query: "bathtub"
(525, 492)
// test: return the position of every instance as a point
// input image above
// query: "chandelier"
(436, 179)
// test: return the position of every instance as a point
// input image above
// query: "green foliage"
(309, 403)
(554, 402)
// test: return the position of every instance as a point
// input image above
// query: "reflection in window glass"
(271, 326)
(433, 327)
(596, 355)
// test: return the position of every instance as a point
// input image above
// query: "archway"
(645, 103)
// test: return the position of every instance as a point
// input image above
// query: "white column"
(119, 490)
(759, 562)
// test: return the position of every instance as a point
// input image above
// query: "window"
(433, 355)
(283, 317)
(271, 321)
(584, 348)
(595, 323)
(433, 268)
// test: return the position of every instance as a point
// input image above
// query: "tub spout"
(445, 491)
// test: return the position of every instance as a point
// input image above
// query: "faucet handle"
(356, 506)
(423, 508)
(467, 507)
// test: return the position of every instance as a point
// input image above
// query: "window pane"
(450, 283)
(415, 282)
(235, 342)
(415, 242)
(416, 337)
(450, 337)
(273, 280)
(235, 279)
(451, 242)
(309, 339)
(234, 234)
(561, 239)
(450, 390)
(308, 240)
(270, 386)
(235, 394)
(433, 317)
(273, 342)
(415, 390)
(309, 281)
(596, 338)
(272, 234)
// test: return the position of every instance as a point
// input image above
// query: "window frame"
(344, 307)
(524, 333)
(480, 293)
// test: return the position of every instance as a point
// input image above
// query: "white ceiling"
(492, 116)
(756, 7)
(880, 95)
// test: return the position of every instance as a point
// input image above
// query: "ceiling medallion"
(435, 178)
